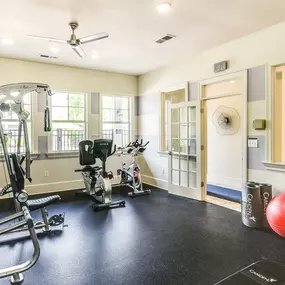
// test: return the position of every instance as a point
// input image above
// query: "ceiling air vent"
(165, 39)
(48, 56)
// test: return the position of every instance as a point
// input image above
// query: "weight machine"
(11, 99)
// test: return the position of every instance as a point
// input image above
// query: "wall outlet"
(252, 142)
(46, 173)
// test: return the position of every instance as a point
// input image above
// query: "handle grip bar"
(115, 148)
(137, 144)
(145, 144)
(9, 271)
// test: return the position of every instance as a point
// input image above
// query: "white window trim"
(67, 153)
(269, 134)
(132, 129)
(171, 88)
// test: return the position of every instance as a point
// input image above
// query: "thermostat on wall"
(259, 124)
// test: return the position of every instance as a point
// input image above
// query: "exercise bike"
(131, 175)
(96, 179)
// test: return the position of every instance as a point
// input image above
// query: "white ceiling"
(133, 26)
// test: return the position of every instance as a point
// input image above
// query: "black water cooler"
(255, 199)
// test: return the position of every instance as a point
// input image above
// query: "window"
(278, 115)
(10, 124)
(116, 119)
(68, 121)
(168, 98)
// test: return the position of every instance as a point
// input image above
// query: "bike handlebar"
(145, 144)
(135, 144)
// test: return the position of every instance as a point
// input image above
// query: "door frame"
(218, 79)
(198, 194)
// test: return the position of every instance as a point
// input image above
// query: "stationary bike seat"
(35, 204)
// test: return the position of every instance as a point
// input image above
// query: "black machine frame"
(97, 179)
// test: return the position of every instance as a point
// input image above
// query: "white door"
(185, 150)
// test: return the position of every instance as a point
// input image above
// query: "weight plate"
(56, 220)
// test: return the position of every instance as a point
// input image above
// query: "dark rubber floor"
(156, 239)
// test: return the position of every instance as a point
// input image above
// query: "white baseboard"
(156, 182)
(54, 187)
(37, 189)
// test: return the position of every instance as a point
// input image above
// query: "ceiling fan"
(73, 42)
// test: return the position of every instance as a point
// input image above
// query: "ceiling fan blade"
(94, 38)
(46, 39)
(79, 51)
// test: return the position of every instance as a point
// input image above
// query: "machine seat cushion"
(35, 204)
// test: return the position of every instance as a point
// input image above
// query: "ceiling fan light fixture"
(6, 41)
(163, 7)
(73, 42)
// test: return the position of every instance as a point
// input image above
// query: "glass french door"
(185, 150)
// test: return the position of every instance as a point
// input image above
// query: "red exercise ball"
(275, 214)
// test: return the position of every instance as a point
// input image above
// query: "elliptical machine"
(131, 175)
(96, 179)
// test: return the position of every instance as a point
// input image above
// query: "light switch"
(252, 142)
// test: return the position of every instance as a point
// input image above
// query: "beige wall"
(263, 47)
(63, 78)
(259, 48)
(60, 78)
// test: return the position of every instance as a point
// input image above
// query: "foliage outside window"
(10, 124)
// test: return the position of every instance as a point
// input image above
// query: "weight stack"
(252, 207)
(266, 196)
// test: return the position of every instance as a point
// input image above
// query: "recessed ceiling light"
(6, 41)
(163, 7)
(95, 56)
(232, 82)
(54, 49)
